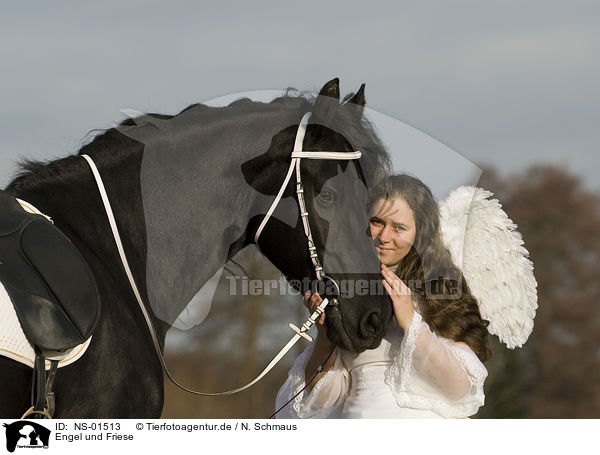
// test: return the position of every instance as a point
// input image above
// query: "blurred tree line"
(557, 372)
(555, 375)
(246, 327)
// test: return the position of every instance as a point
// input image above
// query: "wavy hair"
(444, 299)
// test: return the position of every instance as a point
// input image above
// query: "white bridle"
(297, 155)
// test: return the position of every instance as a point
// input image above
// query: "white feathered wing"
(485, 244)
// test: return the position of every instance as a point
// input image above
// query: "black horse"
(189, 192)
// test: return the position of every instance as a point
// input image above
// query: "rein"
(301, 332)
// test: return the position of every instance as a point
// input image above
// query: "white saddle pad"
(14, 344)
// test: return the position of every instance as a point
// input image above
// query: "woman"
(430, 363)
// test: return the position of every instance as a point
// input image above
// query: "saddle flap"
(50, 284)
(66, 274)
(44, 323)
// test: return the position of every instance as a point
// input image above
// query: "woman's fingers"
(391, 278)
(307, 299)
(388, 287)
(315, 303)
(395, 283)
(312, 301)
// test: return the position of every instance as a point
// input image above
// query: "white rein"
(297, 155)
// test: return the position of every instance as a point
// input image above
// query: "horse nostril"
(370, 324)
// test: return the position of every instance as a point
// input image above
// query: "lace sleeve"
(326, 398)
(431, 372)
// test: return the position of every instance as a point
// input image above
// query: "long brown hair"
(444, 299)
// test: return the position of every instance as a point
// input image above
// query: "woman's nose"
(385, 235)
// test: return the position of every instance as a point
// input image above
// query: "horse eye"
(326, 196)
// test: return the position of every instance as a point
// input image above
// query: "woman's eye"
(375, 222)
(327, 196)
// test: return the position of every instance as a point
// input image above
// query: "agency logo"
(26, 434)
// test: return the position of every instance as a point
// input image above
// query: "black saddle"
(50, 284)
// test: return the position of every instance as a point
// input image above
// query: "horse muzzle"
(359, 331)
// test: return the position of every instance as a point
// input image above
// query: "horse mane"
(357, 130)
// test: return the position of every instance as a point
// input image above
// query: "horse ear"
(356, 102)
(359, 97)
(327, 102)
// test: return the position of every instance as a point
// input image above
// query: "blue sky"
(502, 83)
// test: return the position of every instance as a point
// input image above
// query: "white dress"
(412, 375)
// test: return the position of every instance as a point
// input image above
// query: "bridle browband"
(297, 155)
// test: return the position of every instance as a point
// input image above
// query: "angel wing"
(487, 247)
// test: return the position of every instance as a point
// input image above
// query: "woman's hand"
(401, 297)
(312, 301)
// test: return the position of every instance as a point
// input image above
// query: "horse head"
(192, 184)
(335, 194)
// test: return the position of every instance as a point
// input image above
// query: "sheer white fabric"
(412, 375)
(325, 400)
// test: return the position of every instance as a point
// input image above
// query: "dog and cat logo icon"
(26, 434)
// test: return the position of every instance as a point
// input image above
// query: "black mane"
(357, 130)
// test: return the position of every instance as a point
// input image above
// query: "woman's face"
(393, 229)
